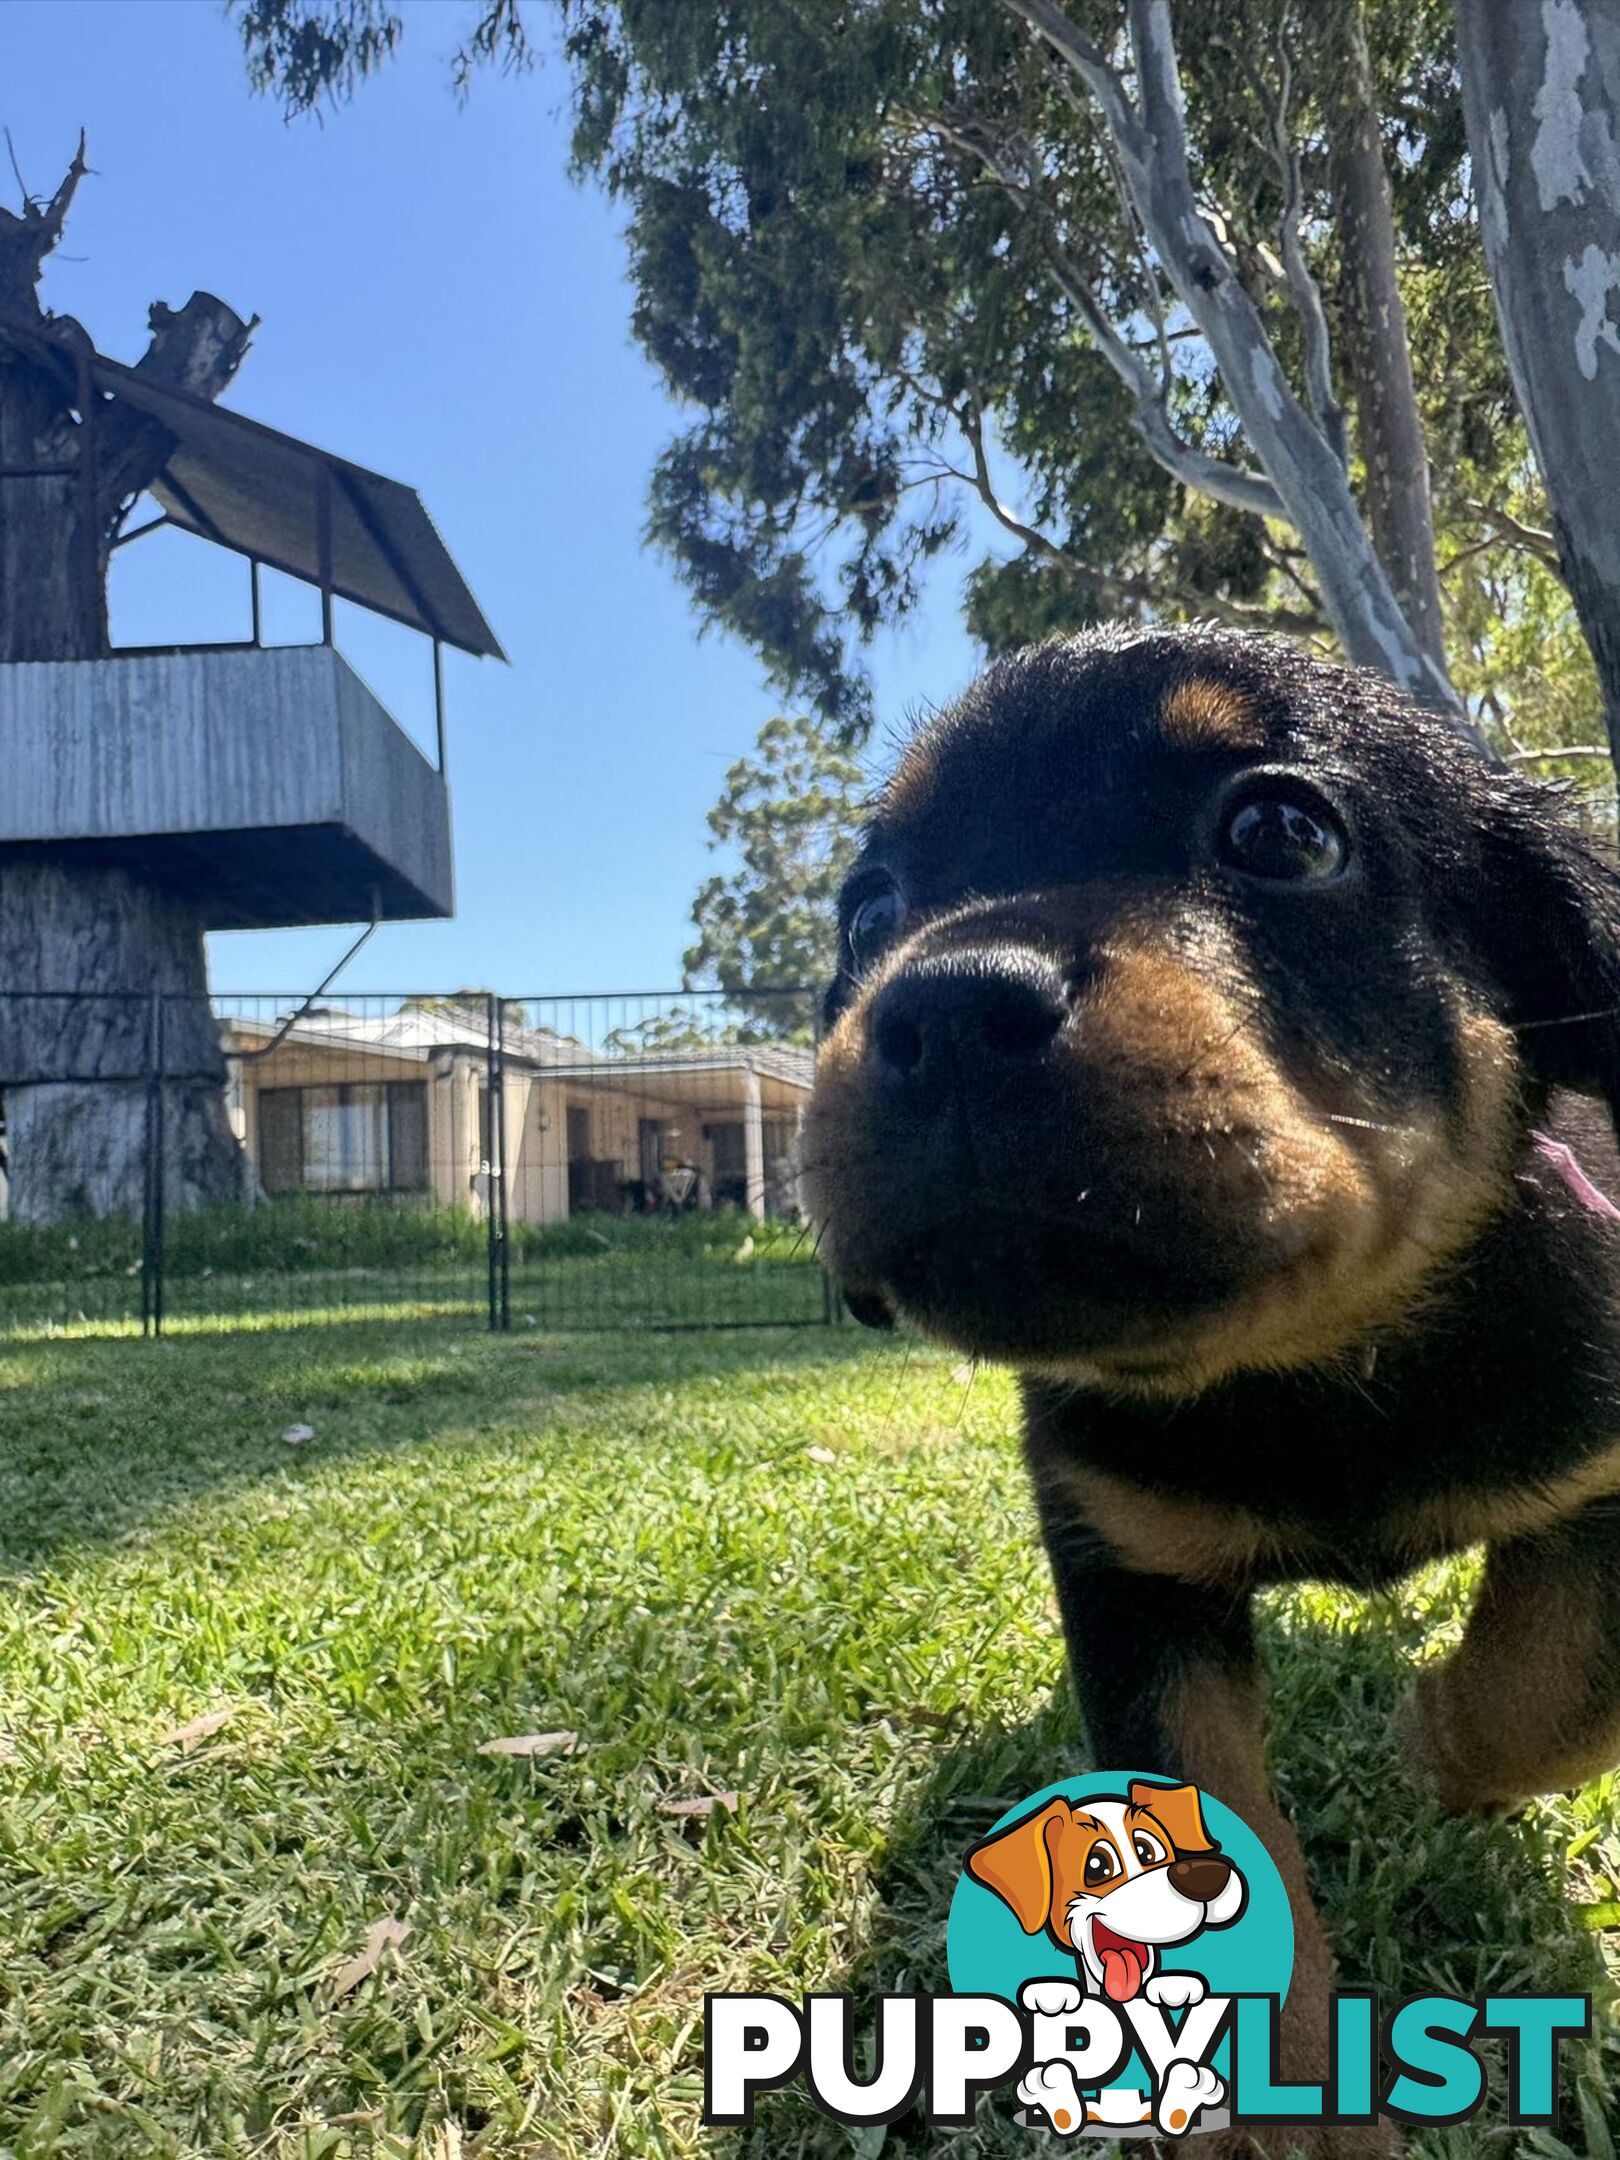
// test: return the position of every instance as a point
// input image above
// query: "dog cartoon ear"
(1017, 1865)
(1550, 909)
(1177, 1808)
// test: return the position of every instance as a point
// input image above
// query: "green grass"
(287, 1258)
(627, 1537)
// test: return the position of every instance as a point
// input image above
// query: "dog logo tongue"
(1123, 1962)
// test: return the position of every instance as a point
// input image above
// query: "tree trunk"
(78, 1069)
(1389, 429)
(81, 1119)
(1149, 134)
(1541, 88)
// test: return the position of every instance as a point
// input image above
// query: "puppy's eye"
(1100, 1867)
(875, 924)
(1148, 1849)
(1285, 835)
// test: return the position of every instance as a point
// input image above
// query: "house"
(397, 1106)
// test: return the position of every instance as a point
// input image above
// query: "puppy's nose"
(979, 1008)
(1200, 1879)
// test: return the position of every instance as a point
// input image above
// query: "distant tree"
(767, 924)
(1190, 301)
(675, 1028)
(471, 1005)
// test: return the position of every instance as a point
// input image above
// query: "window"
(344, 1139)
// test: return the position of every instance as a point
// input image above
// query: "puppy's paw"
(1051, 1998)
(1051, 2087)
(1175, 1991)
(1187, 2087)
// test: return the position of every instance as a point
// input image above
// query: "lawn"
(785, 1565)
(297, 1256)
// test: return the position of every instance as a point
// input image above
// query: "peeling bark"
(1541, 92)
(72, 1070)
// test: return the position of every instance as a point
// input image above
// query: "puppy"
(1202, 1047)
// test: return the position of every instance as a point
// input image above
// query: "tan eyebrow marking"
(1205, 715)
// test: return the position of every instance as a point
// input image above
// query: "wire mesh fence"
(623, 1160)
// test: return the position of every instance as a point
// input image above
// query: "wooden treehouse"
(263, 784)
(147, 795)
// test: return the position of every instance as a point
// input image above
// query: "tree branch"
(196, 348)
(1140, 592)
(1238, 488)
(1150, 135)
(1549, 757)
(1302, 286)
(1543, 545)
(27, 238)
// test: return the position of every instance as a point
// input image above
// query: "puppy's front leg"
(1168, 1681)
(1530, 1700)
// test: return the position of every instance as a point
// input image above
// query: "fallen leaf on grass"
(361, 1967)
(821, 1454)
(531, 1743)
(700, 1804)
(298, 1435)
(195, 1730)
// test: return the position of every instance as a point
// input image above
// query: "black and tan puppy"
(1203, 1018)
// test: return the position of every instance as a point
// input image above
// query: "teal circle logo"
(1122, 1909)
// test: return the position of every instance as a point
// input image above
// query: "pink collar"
(1564, 1163)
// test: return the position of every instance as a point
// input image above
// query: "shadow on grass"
(103, 1438)
(1415, 1902)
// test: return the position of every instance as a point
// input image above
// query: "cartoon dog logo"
(1114, 1881)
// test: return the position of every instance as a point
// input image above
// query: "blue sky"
(438, 302)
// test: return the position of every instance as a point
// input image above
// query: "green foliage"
(788, 817)
(881, 367)
(677, 1027)
(302, 52)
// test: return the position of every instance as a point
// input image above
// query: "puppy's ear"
(1547, 910)
(1017, 1865)
(1176, 1809)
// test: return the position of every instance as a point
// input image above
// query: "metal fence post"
(503, 1187)
(500, 1309)
(152, 1225)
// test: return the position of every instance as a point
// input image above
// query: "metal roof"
(416, 1033)
(297, 508)
(251, 488)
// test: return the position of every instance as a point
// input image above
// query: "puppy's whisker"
(1597, 1012)
(1364, 1124)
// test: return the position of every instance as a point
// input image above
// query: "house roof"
(417, 1031)
(253, 489)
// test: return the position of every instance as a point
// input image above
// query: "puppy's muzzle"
(964, 1020)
